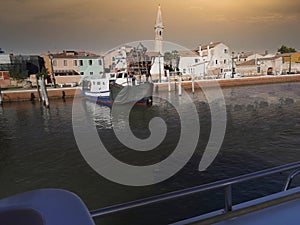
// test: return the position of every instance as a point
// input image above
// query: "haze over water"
(38, 150)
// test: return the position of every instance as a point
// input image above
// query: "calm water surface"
(38, 150)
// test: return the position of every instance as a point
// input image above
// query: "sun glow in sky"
(34, 26)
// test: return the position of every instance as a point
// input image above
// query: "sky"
(39, 26)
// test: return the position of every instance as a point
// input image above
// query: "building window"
(54, 62)
(75, 62)
(258, 69)
(81, 73)
(184, 70)
(90, 62)
(65, 63)
(216, 62)
(91, 73)
(225, 50)
(225, 61)
(100, 62)
(80, 62)
(196, 60)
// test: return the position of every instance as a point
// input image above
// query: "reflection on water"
(38, 150)
(101, 114)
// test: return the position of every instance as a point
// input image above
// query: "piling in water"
(63, 96)
(193, 83)
(179, 86)
(32, 97)
(156, 90)
(44, 92)
(169, 80)
(1, 99)
(38, 88)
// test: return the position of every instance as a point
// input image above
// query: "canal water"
(38, 150)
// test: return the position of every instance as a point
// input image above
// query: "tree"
(17, 72)
(172, 58)
(285, 49)
(44, 72)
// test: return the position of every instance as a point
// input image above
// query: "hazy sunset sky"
(36, 26)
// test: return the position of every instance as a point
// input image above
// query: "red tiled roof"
(152, 54)
(248, 63)
(252, 61)
(187, 53)
(211, 45)
(74, 54)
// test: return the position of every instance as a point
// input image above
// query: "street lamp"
(159, 67)
(290, 64)
(259, 67)
(53, 76)
(232, 65)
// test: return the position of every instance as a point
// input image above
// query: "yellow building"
(291, 57)
(47, 63)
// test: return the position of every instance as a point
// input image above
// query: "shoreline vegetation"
(15, 95)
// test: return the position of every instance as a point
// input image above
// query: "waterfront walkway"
(26, 95)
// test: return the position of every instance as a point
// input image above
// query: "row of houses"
(213, 60)
(69, 67)
(64, 68)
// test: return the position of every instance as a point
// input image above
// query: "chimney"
(208, 52)
(200, 51)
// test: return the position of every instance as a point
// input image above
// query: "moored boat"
(118, 88)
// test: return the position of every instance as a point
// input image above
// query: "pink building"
(69, 66)
(4, 79)
(64, 68)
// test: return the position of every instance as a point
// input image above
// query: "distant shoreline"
(56, 93)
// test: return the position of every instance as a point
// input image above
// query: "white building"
(116, 59)
(187, 60)
(261, 66)
(4, 58)
(215, 59)
(246, 56)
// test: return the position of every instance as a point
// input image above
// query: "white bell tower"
(157, 68)
(159, 28)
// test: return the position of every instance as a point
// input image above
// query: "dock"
(32, 94)
(233, 82)
(71, 92)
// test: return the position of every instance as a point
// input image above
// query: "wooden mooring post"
(193, 83)
(169, 80)
(44, 92)
(1, 99)
(179, 85)
(38, 88)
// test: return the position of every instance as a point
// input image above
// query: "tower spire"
(159, 18)
(159, 27)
